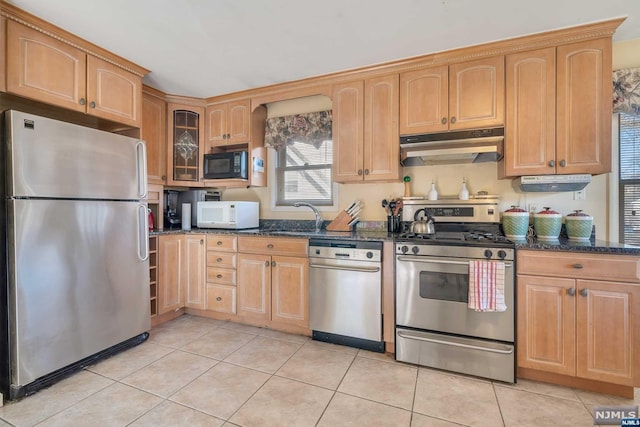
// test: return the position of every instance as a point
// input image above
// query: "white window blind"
(629, 179)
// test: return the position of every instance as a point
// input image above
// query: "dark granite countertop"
(566, 245)
(376, 231)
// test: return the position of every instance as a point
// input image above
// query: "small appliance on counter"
(171, 215)
(232, 215)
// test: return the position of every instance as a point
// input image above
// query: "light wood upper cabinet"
(228, 123)
(113, 93)
(154, 132)
(559, 110)
(45, 69)
(185, 143)
(365, 130)
(530, 131)
(424, 101)
(463, 95)
(584, 324)
(49, 70)
(583, 142)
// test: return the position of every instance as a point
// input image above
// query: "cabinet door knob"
(92, 104)
(164, 177)
(270, 246)
(83, 101)
(366, 171)
(563, 163)
(218, 298)
(273, 263)
(219, 276)
(219, 242)
(224, 136)
(552, 163)
(571, 291)
(453, 120)
(359, 172)
(218, 259)
(266, 263)
(444, 121)
(228, 136)
(578, 266)
(202, 241)
(584, 292)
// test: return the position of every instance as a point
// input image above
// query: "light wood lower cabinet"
(579, 325)
(221, 293)
(181, 272)
(273, 288)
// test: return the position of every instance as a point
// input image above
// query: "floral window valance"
(626, 91)
(312, 128)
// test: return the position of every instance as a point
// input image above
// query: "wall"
(601, 193)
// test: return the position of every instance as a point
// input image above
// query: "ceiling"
(205, 48)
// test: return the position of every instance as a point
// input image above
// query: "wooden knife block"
(340, 222)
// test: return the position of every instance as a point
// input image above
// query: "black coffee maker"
(171, 216)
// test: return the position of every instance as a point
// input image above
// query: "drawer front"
(223, 276)
(623, 268)
(222, 242)
(221, 259)
(221, 298)
(273, 246)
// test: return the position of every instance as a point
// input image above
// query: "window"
(629, 180)
(303, 173)
(304, 156)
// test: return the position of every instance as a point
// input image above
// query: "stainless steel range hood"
(469, 146)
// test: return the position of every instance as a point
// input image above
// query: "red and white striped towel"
(486, 286)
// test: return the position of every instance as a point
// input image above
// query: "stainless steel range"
(434, 326)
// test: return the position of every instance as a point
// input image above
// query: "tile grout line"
(495, 395)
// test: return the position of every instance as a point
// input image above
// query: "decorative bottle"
(433, 193)
(464, 192)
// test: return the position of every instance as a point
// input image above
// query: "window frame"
(623, 183)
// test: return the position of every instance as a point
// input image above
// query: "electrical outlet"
(533, 207)
(580, 195)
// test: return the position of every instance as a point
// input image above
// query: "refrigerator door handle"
(143, 233)
(141, 157)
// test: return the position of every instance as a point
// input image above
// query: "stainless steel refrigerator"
(76, 249)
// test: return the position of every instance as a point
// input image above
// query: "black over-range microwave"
(231, 164)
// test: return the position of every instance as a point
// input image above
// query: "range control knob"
(488, 254)
(404, 249)
(369, 254)
(502, 254)
(415, 250)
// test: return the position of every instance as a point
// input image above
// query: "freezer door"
(78, 281)
(53, 159)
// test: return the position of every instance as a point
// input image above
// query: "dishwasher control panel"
(345, 249)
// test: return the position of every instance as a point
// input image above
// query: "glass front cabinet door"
(186, 141)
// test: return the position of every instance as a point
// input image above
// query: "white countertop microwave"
(228, 214)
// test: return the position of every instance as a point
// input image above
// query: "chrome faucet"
(315, 210)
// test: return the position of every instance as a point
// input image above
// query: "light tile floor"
(201, 372)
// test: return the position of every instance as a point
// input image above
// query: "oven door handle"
(439, 261)
(455, 344)
(336, 267)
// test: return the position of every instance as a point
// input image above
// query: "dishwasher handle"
(337, 267)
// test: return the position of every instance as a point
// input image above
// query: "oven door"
(432, 294)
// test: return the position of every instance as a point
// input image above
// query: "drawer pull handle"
(571, 291)
(270, 246)
(219, 242)
(218, 259)
(218, 298)
(584, 292)
(578, 266)
(219, 276)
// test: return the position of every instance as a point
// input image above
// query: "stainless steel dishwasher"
(345, 292)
